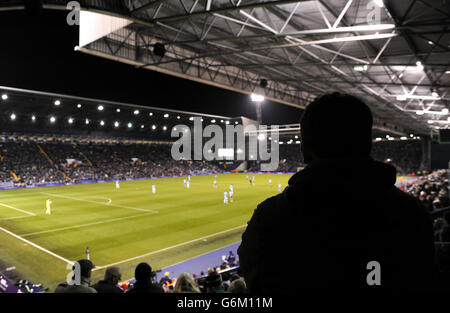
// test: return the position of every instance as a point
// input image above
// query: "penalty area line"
(13, 208)
(167, 248)
(100, 203)
(36, 246)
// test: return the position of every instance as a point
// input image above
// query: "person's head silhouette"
(336, 125)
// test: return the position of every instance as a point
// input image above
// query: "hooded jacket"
(334, 218)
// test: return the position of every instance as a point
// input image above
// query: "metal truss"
(395, 57)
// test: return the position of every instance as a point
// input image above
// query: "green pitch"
(124, 226)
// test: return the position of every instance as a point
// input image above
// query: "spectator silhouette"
(329, 237)
(110, 283)
(144, 284)
(81, 285)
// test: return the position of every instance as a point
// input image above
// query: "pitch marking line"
(36, 246)
(84, 225)
(101, 203)
(23, 211)
(168, 248)
(13, 218)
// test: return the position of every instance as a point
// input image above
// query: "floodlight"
(256, 98)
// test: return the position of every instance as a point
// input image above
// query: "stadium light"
(79, 106)
(178, 117)
(379, 3)
(52, 119)
(130, 125)
(136, 112)
(150, 114)
(4, 96)
(164, 127)
(57, 102)
(360, 68)
(33, 118)
(142, 126)
(261, 137)
(153, 127)
(86, 121)
(70, 120)
(102, 123)
(116, 124)
(191, 118)
(420, 112)
(213, 121)
(166, 115)
(118, 110)
(256, 98)
(100, 108)
(12, 116)
(227, 122)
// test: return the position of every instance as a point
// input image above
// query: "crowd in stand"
(31, 163)
(405, 155)
(220, 279)
(49, 163)
(433, 192)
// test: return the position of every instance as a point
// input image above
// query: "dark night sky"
(37, 52)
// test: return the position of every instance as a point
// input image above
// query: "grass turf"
(127, 225)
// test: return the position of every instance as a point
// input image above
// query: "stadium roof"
(394, 54)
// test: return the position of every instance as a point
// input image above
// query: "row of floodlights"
(118, 110)
(390, 138)
(87, 121)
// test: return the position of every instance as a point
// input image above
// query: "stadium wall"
(440, 156)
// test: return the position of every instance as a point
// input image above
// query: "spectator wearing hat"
(165, 280)
(110, 283)
(144, 284)
(80, 285)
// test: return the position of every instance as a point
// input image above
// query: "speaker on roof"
(263, 83)
(159, 49)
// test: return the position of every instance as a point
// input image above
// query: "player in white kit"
(270, 182)
(215, 183)
(117, 184)
(187, 184)
(153, 189)
(225, 197)
(279, 187)
(184, 182)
